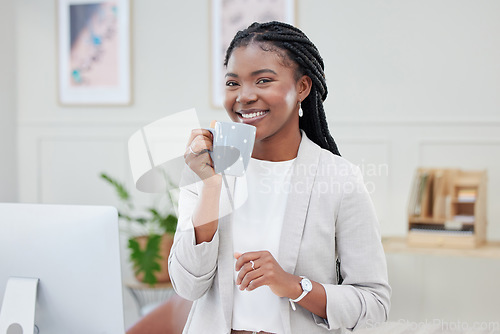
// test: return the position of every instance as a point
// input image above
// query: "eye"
(263, 81)
(231, 83)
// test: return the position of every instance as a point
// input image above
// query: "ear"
(304, 85)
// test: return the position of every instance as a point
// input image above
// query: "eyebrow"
(254, 73)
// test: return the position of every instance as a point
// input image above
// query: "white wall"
(412, 83)
(8, 124)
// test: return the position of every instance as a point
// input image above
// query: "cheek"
(288, 97)
(291, 98)
(228, 102)
(285, 96)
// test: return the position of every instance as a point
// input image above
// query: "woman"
(269, 265)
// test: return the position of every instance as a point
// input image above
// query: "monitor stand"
(17, 315)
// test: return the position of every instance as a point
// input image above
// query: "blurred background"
(411, 83)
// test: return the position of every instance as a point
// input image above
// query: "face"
(262, 90)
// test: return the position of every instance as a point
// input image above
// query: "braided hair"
(298, 48)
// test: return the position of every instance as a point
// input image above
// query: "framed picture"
(230, 16)
(94, 52)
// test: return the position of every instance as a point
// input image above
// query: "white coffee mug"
(232, 147)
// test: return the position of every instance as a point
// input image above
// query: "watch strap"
(299, 298)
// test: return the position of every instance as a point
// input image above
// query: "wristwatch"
(306, 285)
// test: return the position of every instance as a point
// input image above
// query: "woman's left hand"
(266, 271)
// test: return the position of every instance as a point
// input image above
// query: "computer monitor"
(74, 252)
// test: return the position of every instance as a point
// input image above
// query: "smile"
(253, 114)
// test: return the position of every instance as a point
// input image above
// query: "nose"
(246, 95)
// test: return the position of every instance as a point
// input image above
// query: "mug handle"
(212, 131)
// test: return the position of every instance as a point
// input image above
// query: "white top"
(260, 198)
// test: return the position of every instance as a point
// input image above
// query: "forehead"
(257, 56)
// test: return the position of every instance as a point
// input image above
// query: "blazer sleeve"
(364, 295)
(191, 267)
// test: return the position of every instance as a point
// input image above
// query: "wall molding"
(455, 142)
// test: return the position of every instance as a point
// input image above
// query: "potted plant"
(150, 233)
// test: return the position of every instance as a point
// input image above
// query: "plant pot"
(165, 245)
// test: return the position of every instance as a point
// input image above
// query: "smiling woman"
(297, 52)
(272, 265)
(262, 91)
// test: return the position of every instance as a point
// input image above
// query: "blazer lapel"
(304, 173)
(225, 260)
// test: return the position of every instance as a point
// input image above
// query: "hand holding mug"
(197, 155)
(232, 147)
(229, 146)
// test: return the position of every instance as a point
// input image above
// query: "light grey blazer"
(329, 213)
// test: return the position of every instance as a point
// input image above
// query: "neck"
(278, 148)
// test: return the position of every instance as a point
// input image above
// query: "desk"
(443, 284)
(490, 250)
(148, 297)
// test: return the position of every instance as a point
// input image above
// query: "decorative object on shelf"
(447, 208)
(150, 234)
(94, 52)
(230, 16)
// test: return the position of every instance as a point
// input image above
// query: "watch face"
(306, 284)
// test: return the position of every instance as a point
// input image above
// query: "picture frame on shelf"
(227, 18)
(94, 52)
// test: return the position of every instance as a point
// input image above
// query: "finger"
(249, 277)
(247, 268)
(194, 153)
(200, 164)
(256, 283)
(199, 132)
(197, 162)
(237, 255)
(196, 157)
(212, 123)
(200, 144)
(246, 257)
(189, 156)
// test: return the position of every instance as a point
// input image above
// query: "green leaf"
(120, 189)
(169, 224)
(146, 260)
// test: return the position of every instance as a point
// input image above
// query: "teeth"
(253, 114)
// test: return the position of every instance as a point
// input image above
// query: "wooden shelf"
(456, 201)
(490, 249)
(427, 220)
(439, 196)
(433, 221)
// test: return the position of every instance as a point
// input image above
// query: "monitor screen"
(74, 252)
